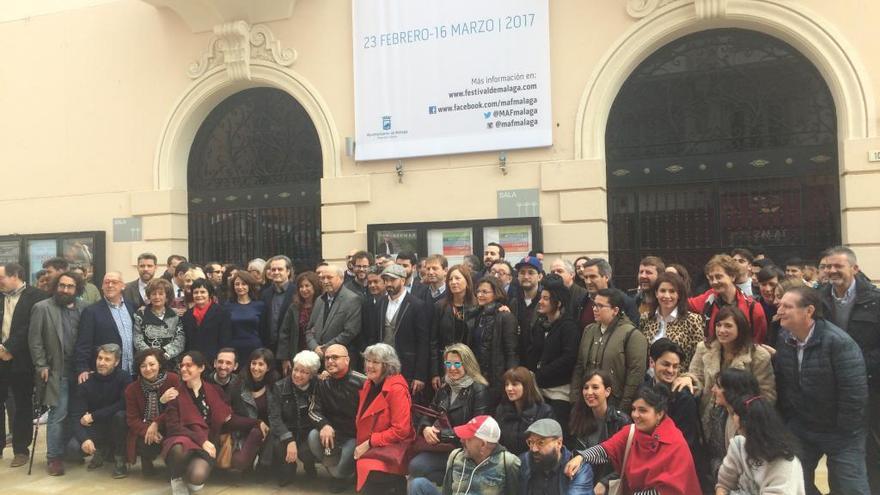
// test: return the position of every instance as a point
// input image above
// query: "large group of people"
(405, 375)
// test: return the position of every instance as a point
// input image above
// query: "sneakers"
(42, 419)
(19, 460)
(56, 467)
(178, 487)
(120, 469)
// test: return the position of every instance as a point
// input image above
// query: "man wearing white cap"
(480, 467)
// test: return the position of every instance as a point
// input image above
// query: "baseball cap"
(530, 261)
(483, 427)
(545, 428)
(394, 271)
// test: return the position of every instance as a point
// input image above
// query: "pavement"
(78, 481)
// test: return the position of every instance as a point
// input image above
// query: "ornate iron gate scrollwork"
(722, 138)
(254, 181)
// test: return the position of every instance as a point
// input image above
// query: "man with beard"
(361, 262)
(333, 413)
(542, 467)
(649, 269)
(52, 340)
(525, 305)
(135, 291)
(402, 321)
(481, 465)
(224, 375)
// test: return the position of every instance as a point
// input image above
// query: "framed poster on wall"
(87, 249)
(457, 239)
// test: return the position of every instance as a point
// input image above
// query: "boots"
(120, 470)
(96, 461)
(178, 487)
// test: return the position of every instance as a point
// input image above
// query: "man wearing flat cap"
(543, 466)
(402, 321)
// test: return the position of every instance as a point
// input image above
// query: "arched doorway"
(723, 138)
(253, 178)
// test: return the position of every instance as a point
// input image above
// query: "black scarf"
(151, 393)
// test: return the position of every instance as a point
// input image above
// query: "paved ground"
(78, 481)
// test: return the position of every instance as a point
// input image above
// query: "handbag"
(392, 454)
(615, 487)
(441, 422)
(224, 457)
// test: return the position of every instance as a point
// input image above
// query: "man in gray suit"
(52, 340)
(336, 318)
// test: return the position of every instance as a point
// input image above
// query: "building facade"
(141, 113)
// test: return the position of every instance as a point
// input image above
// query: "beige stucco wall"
(89, 94)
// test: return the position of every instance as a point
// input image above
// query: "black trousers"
(21, 387)
(109, 435)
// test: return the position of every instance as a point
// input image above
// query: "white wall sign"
(449, 77)
(874, 156)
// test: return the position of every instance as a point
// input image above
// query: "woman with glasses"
(493, 338)
(463, 396)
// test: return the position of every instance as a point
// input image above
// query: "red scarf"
(199, 313)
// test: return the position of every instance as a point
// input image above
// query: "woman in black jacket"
(250, 398)
(463, 396)
(207, 325)
(454, 318)
(594, 419)
(521, 406)
(289, 416)
(493, 338)
(554, 346)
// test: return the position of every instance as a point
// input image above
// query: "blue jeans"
(846, 461)
(57, 427)
(430, 465)
(345, 468)
(422, 486)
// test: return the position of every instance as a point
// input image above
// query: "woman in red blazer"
(145, 404)
(659, 461)
(383, 423)
(193, 423)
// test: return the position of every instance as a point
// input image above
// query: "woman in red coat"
(660, 461)
(193, 423)
(383, 423)
(145, 404)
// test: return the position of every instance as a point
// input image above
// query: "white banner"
(450, 76)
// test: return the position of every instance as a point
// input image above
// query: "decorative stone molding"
(235, 45)
(644, 8)
(711, 9)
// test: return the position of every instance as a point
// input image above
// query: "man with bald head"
(108, 321)
(336, 317)
(333, 413)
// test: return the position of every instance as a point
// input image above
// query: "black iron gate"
(254, 181)
(723, 138)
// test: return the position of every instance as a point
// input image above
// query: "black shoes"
(120, 469)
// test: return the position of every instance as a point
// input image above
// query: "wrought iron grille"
(254, 181)
(739, 130)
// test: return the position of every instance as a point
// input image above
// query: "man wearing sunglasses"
(332, 442)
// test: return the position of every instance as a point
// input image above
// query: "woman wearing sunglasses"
(463, 396)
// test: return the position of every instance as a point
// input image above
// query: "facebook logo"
(432, 110)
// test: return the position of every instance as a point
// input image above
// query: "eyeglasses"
(602, 306)
(450, 364)
(539, 443)
(67, 286)
(333, 357)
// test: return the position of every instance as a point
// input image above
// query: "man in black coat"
(413, 286)
(852, 303)
(823, 392)
(278, 295)
(16, 367)
(108, 321)
(402, 321)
